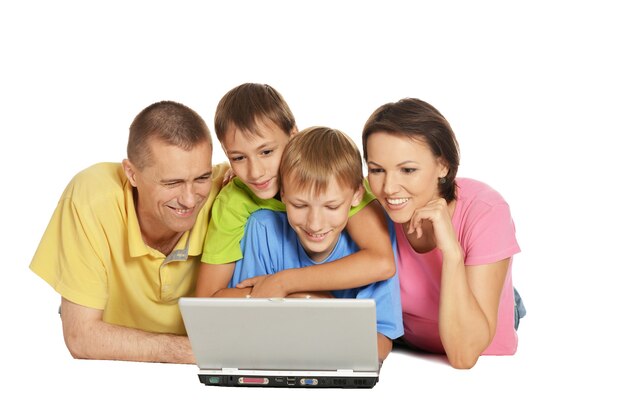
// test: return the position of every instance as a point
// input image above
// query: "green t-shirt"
(230, 212)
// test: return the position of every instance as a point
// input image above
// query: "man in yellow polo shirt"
(125, 240)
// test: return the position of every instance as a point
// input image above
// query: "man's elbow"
(77, 340)
(75, 345)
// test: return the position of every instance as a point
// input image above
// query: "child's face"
(255, 158)
(403, 174)
(319, 219)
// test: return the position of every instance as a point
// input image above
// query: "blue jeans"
(520, 310)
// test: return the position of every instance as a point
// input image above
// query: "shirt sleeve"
(67, 257)
(388, 308)
(388, 302)
(257, 245)
(226, 227)
(489, 234)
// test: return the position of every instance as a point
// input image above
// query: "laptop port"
(279, 379)
(253, 381)
(308, 381)
(291, 380)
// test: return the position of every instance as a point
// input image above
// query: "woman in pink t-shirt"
(455, 237)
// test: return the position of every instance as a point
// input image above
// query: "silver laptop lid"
(282, 334)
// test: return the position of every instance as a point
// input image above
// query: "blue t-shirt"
(270, 245)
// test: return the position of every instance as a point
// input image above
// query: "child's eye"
(332, 207)
(236, 158)
(374, 170)
(266, 152)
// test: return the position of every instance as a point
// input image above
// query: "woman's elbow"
(463, 361)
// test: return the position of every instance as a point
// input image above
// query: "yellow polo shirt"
(92, 253)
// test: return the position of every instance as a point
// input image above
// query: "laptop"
(283, 342)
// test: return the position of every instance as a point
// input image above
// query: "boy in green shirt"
(253, 124)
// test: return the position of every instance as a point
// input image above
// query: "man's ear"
(358, 196)
(130, 171)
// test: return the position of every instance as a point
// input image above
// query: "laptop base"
(292, 381)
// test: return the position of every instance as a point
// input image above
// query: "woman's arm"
(468, 308)
(373, 262)
(470, 295)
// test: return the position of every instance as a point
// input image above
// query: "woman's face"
(403, 173)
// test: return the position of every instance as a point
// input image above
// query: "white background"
(535, 92)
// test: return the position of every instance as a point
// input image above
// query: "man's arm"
(88, 337)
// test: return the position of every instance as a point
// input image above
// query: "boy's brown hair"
(247, 105)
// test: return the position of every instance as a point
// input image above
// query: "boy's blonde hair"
(314, 156)
(249, 104)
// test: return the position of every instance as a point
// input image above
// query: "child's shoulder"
(236, 190)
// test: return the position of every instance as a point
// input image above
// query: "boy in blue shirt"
(254, 124)
(321, 179)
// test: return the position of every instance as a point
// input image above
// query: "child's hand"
(264, 286)
(228, 176)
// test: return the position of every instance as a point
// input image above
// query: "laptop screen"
(282, 334)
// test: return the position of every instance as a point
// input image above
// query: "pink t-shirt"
(486, 232)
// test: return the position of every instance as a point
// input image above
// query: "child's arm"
(384, 347)
(374, 262)
(213, 281)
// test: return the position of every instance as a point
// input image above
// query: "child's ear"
(293, 132)
(130, 171)
(358, 196)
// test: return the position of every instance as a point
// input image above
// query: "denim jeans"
(520, 310)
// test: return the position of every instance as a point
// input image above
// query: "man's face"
(319, 219)
(172, 188)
